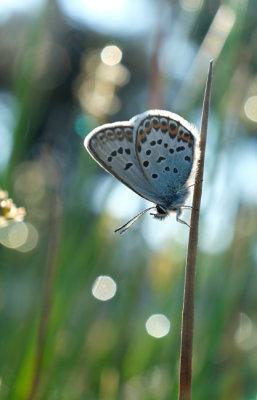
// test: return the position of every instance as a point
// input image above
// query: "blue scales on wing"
(165, 147)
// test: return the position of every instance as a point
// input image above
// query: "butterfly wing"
(165, 146)
(113, 147)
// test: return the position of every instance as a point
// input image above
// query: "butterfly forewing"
(165, 149)
(113, 147)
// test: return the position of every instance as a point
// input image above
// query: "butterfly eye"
(161, 210)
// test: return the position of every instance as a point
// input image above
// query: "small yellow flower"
(8, 210)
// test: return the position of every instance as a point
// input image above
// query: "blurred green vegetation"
(57, 340)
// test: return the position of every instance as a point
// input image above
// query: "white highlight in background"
(157, 325)
(191, 5)
(111, 55)
(250, 108)
(14, 235)
(104, 288)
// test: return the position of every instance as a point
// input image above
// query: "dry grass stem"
(188, 303)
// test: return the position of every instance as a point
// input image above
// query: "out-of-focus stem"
(47, 297)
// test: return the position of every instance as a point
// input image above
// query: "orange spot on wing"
(156, 126)
(142, 136)
(189, 138)
(164, 128)
(172, 132)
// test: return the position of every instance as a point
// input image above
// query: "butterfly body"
(153, 153)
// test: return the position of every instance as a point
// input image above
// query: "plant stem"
(51, 267)
(188, 303)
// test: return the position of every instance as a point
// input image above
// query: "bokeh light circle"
(31, 241)
(191, 5)
(157, 325)
(250, 108)
(104, 288)
(111, 55)
(14, 235)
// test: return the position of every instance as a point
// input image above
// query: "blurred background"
(85, 313)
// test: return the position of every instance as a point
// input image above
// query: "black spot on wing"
(127, 166)
(160, 159)
(155, 121)
(173, 126)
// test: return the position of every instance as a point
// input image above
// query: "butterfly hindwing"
(165, 145)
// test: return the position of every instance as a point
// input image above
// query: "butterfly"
(154, 154)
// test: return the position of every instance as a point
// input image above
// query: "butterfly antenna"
(126, 226)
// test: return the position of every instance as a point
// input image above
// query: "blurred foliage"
(57, 340)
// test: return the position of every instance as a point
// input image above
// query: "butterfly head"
(161, 212)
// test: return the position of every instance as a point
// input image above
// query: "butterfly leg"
(198, 181)
(189, 208)
(195, 183)
(181, 220)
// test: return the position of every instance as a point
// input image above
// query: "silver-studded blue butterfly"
(154, 154)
